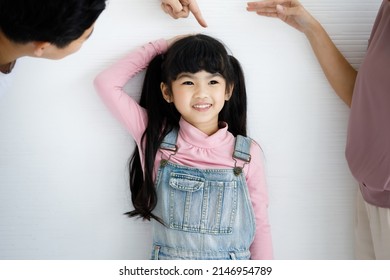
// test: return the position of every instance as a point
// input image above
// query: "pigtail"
(235, 110)
(143, 193)
(161, 115)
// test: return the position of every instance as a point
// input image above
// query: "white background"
(63, 157)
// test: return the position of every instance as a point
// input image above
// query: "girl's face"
(199, 97)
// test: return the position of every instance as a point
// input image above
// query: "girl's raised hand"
(290, 11)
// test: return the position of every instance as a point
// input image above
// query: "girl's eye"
(213, 82)
(188, 83)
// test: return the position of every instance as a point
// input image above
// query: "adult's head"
(57, 27)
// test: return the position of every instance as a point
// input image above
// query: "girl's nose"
(200, 91)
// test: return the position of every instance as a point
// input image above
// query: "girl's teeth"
(202, 106)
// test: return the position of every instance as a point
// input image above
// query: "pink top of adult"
(368, 143)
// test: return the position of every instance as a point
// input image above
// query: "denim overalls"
(207, 212)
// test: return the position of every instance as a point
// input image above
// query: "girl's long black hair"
(190, 54)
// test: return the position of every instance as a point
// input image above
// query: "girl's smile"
(202, 107)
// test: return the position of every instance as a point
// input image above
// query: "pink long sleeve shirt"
(195, 148)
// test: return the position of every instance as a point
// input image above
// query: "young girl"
(193, 172)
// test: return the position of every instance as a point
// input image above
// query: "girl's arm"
(109, 84)
(261, 248)
(339, 72)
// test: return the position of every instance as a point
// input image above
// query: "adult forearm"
(339, 72)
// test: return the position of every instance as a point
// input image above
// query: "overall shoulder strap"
(169, 141)
(242, 148)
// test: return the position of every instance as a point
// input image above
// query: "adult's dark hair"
(58, 22)
(190, 54)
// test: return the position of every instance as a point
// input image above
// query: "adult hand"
(290, 11)
(339, 72)
(182, 8)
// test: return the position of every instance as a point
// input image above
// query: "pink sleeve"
(261, 248)
(109, 84)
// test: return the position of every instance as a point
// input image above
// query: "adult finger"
(175, 5)
(166, 8)
(183, 13)
(194, 8)
(268, 6)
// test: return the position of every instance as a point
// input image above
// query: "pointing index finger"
(194, 8)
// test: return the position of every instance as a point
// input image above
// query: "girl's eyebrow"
(185, 75)
(192, 75)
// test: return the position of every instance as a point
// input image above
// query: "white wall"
(63, 179)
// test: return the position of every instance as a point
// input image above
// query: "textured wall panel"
(63, 182)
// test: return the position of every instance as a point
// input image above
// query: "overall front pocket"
(199, 205)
